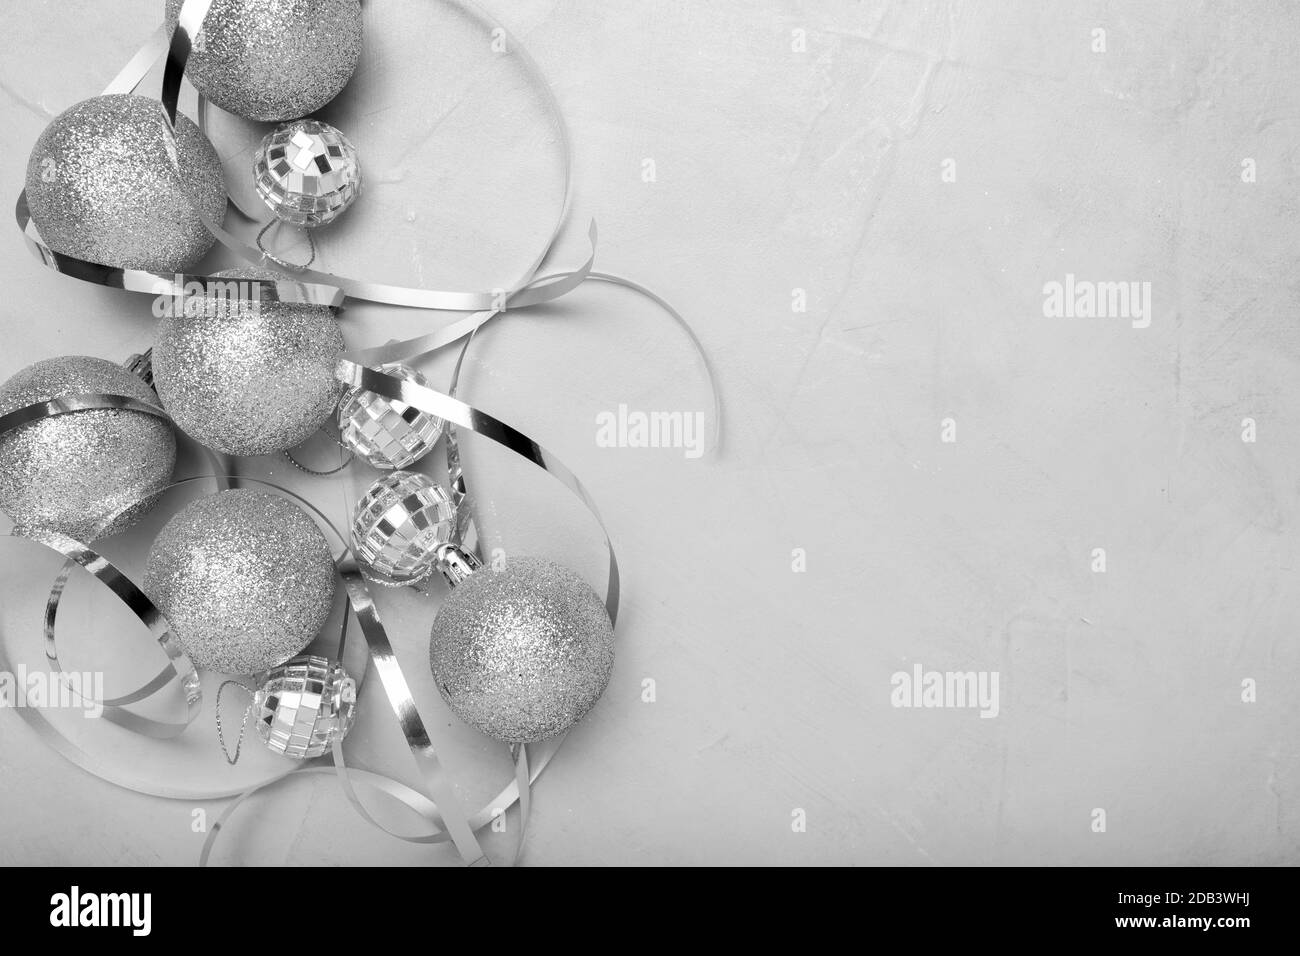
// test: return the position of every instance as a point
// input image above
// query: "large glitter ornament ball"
(304, 705)
(307, 173)
(386, 433)
(398, 524)
(102, 187)
(244, 376)
(76, 472)
(273, 60)
(245, 578)
(524, 652)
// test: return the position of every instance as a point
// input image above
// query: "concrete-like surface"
(920, 171)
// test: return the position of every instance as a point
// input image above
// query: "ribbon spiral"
(448, 821)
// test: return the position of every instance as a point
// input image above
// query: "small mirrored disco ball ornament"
(304, 705)
(400, 522)
(388, 434)
(307, 173)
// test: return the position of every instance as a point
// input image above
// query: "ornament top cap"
(455, 563)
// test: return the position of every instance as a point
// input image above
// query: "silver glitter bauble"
(524, 652)
(398, 523)
(248, 377)
(273, 60)
(72, 472)
(304, 705)
(245, 579)
(101, 187)
(385, 433)
(307, 173)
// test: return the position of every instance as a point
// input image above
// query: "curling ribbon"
(81, 402)
(327, 289)
(447, 811)
(178, 665)
(178, 662)
(310, 286)
(322, 288)
(402, 701)
(190, 22)
(456, 412)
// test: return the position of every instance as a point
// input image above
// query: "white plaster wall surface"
(920, 171)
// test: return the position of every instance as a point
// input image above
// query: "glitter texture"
(522, 653)
(244, 577)
(72, 472)
(388, 434)
(399, 522)
(305, 705)
(247, 377)
(101, 187)
(274, 60)
(307, 173)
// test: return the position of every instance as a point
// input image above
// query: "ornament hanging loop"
(285, 263)
(351, 455)
(243, 723)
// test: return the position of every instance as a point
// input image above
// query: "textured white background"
(819, 170)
